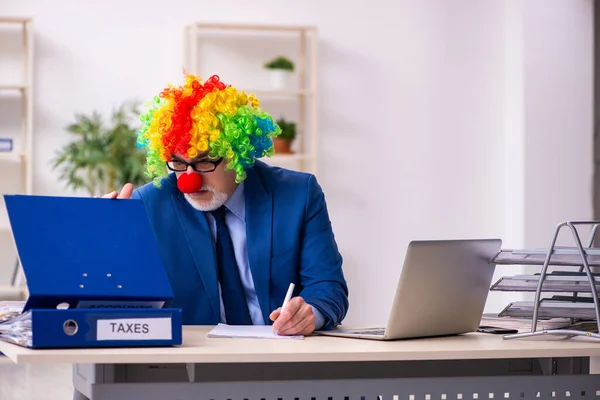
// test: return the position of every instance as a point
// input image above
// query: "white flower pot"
(280, 79)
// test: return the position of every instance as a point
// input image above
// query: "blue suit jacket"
(289, 239)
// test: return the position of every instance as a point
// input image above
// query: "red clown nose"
(189, 182)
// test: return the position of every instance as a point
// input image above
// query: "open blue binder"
(94, 274)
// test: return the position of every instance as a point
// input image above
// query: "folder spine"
(105, 328)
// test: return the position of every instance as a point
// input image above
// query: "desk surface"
(4, 360)
(197, 348)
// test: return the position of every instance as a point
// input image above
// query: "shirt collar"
(236, 204)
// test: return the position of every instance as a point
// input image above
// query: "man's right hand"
(126, 193)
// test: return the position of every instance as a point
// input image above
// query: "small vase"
(280, 79)
(282, 146)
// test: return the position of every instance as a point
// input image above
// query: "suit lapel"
(200, 242)
(259, 213)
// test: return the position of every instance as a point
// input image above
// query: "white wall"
(548, 124)
(420, 104)
(558, 43)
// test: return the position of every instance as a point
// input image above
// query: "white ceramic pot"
(280, 79)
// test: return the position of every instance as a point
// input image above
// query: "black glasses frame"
(194, 165)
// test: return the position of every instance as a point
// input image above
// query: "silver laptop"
(442, 290)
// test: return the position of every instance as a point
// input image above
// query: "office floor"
(35, 382)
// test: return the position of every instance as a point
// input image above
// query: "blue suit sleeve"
(323, 284)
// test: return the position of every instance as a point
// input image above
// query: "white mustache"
(218, 199)
(208, 188)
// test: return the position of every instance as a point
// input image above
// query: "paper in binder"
(10, 309)
(94, 275)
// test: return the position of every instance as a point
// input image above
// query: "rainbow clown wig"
(205, 117)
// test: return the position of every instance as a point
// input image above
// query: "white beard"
(218, 199)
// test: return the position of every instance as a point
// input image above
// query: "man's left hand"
(297, 318)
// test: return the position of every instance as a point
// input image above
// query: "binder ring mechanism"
(576, 308)
(70, 327)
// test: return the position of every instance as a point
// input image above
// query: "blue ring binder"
(94, 262)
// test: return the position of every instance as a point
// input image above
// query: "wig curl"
(205, 117)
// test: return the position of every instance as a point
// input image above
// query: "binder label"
(134, 329)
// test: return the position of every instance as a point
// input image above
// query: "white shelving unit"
(17, 87)
(304, 94)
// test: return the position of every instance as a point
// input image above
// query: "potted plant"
(283, 142)
(102, 156)
(281, 68)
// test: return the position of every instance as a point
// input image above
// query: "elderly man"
(234, 232)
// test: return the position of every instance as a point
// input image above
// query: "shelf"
(252, 27)
(571, 306)
(286, 158)
(19, 88)
(278, 93)
(14, 20)
(12, 87)
(550, 309)
(565, 257)
(9, 156)
(300, 95)
(553, 282)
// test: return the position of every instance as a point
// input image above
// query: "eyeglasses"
(204, 165)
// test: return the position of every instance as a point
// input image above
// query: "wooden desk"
(5, 360)
(327, 367)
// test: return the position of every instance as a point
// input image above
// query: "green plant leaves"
(280, 63)
(102, 156)
(288, 129)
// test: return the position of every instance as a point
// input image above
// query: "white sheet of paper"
(134, 329)
(247, 331)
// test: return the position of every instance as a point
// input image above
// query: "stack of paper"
(247, 331)
(524, 323)
(10, 309)
(17, 330)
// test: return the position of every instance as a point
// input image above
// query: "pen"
(288, 297)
